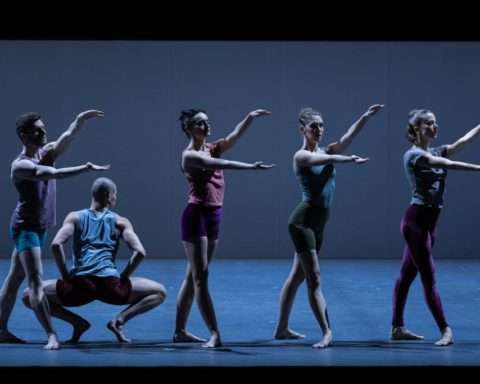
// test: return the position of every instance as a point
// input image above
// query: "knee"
(200, 279)
(313, 281)
(428, 282)
(35, 281)
(294, 281)
(406, 278)
(161, 293)
(26, 298)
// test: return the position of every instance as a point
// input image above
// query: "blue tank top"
(317, 183)
(36, 203)
(95, 244)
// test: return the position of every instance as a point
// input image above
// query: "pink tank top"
(207, 187)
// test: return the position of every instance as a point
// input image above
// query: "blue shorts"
(28, 238)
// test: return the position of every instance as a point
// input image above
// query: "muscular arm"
(62, 236)
(25, 169)
(133, 242)
(65, 139)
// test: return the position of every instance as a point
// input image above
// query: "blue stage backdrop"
(142, 86)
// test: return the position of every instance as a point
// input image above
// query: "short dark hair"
(185, 118)
(101, 187)
(25, 122)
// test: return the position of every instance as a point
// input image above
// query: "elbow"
(56, 246)
(140, 253)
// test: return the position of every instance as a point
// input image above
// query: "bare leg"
(287, 295)
(79, 324)
(185, 301)
(8, 294)
(146, 294)
(311, 269)
(198, 257)
(32, 265)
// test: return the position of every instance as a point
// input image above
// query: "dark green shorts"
(306, 225)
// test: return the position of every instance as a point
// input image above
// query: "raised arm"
(241, 127)
(60, 239)
(307, 159)
(25, 169)
(345, 141)
(63, 142)
(452, 149)
(134, 243)
(194, 160)
(441, 162)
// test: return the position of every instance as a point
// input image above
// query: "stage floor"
(245, 294)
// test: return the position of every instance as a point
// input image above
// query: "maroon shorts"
(81, 290)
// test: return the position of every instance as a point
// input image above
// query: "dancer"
(203, 167)
(314, 168)
(426, 170)
(96, 236)
(33, 173)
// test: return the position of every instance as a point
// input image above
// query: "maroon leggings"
(418, 228)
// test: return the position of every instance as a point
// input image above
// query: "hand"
(67, 276)
(261, 165)
(95, 167)
(259, 112)
(359, 160)
(373, 109)
(89, 114)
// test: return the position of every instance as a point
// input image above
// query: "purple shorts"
(199, 221)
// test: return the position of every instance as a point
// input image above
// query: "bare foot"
(287, 334)
(214, 341)
(78, 330)
(446, 339)
(187, 337)
(52, 343)
(7, 337)
(326, 341)
(402, 333)
(116, 328)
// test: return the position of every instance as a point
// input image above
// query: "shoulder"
(73, 217)
(121, 221)
(439, 151)
(216, 147)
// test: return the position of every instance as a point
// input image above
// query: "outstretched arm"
(241, 127)
(452, 149)
(25, 169)
(133, 242)
(194, 160)
(442, 162)
(307, 159)
(61, 238)
(345, 141)
(63, 142)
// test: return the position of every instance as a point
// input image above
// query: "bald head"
(104, 191)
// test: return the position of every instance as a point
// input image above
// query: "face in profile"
(37, 134)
